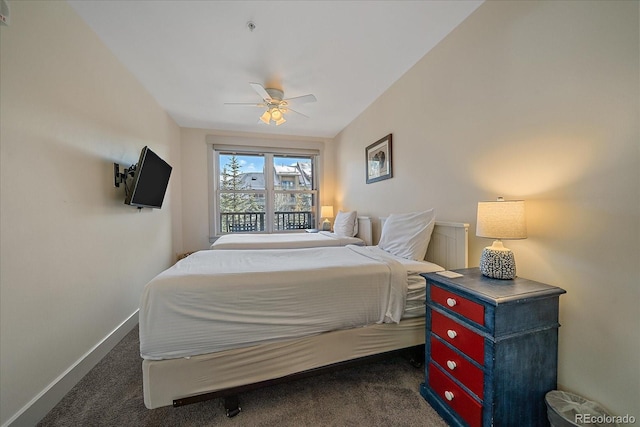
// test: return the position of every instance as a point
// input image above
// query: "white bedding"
(283, 240)
(218, 300)
(416, 286)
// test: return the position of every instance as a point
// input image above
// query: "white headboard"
(365, 231)
(449, 244)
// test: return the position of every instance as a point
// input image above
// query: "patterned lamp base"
(498, 264)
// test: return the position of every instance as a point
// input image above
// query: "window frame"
(269, 192)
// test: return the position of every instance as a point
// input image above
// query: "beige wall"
(74, 258)
(535, 100)
(540, 101)
(195, 157)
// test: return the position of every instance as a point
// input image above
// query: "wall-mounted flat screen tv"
(150, 181)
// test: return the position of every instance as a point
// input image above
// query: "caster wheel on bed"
(233, 412)
(232, 406)
(416, 363)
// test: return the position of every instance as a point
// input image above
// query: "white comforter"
(217, 300)
(283, 241)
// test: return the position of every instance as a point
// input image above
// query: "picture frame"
(378, 160)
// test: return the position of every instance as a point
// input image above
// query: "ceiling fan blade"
(261, 91)
(301, 99)
(248, 104)
(287, 110)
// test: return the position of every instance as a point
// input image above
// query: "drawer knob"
(451, 364)
(451, 302)
(448, 395)
(452, 334)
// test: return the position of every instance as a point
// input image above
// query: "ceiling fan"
(275, 103)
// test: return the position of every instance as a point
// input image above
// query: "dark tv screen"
(149, 181)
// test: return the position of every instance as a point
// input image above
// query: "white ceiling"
(195, 56)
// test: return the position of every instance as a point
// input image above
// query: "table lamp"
(326, 212)
(500, 220)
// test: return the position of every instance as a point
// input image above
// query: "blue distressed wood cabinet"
(491, 349)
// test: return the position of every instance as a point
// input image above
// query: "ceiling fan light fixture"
(266, 117)
(281, 121)
(276, 114)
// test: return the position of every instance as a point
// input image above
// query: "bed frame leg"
(415, 356)
(231, 406)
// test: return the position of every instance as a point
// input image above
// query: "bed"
(349, 229)
(183, 362)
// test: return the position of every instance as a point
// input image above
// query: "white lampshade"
(502, 219)
(326, 211)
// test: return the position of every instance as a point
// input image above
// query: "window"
(241, 197)
(263, 192)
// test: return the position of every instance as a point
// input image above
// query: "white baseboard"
(40, 405)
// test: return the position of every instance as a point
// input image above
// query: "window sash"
(270, 220)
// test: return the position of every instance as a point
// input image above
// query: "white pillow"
(407, 235)
(346, 224)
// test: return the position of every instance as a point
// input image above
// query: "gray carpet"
(378, 394)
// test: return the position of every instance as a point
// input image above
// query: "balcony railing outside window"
(293, 220)
(243, 222)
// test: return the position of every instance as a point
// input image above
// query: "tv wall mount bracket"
(120, 177)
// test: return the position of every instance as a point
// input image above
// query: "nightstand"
(491, 349)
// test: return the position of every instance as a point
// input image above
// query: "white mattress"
(217, 300)
(283, 241)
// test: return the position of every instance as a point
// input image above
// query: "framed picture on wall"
(378, 160)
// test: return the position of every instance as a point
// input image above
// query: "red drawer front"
(469, 309)
(466, 340)
(466, 372)
(464, 405)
